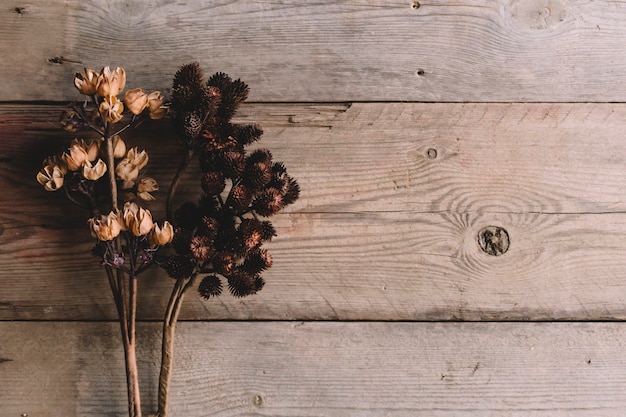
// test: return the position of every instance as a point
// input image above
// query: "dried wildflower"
(240, 197)
(119, 147)
(87, 82)
(179, 266)
(155, 105)
(105, 227)
(268, 202)
(224, 263)
(111, 83)
(128, 168)
(201, 248)
(160, 236)
(241, 284)
(192, 125)
(76, 155)
(251, 231)
(111, 109)
(137, 219)
(210, 286)
(51, 176)
(136, 100)
(247, 134)
(94, 171)
(213, 183)
(256, 261)
(145, 186)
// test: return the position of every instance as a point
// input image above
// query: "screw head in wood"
(493, 240)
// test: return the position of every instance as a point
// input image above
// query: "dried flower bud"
(119, 147)
(87, 82)
(292, 191)
(51, 177)
(160, 236)
(92, 150)
(136, 100)
(210, 286)
(232, 163)
(257, 261)
(240, 197)
(128, 168)
(192, 125)
(241, 284)
(268, 231)
(111, 83)
(94, 172)
(145, 187)
(268, 202)
(251, 231)
(105, 227)
(201, 248)
(179, 266)
(111, 109)
(137, 219)
(155, 105)
(213, 183)
(76, 155)
(224, 263)
(208, 227)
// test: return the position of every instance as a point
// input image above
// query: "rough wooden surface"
(328, 369)
(328, 50)
(394, 197)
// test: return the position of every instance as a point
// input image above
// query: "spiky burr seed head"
(210, 286)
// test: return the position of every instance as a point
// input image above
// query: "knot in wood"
(493, 240)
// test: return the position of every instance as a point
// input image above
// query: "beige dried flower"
(76, 155)
(105, 227)
(87, 82)
(145, 187)
(111, 109)
(111, 83)
(137, 219)
(160, 236)
(94, 171)
(136, 100)
(119, 147)
(155, 105)
(51, 176)
(128, 168)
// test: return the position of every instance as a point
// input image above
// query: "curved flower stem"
(167, 348)
(182, 167)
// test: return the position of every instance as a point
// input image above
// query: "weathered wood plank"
(382, 230)
(330, 369)
(478, 50)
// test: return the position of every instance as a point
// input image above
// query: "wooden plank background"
(410, 126)
(333, 369)
(327, 50)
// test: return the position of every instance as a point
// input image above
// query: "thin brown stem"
(111, 171)
(167, 348)
(182, 167)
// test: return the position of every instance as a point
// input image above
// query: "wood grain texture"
(356, 50)
(382, 231)
(323, 369)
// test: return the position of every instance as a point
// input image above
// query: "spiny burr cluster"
(221, 235)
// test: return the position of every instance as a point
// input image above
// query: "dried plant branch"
(218, 238)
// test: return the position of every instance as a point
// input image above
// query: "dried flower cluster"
(222, 234)
(219, 237)
(79, 169)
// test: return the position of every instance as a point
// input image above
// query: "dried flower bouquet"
(217, 239)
